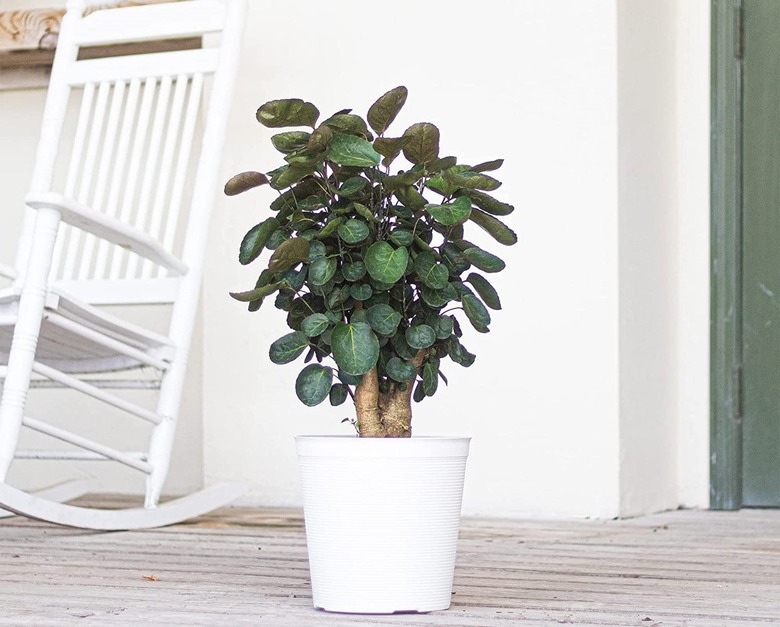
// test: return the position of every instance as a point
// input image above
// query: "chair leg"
(25, 338)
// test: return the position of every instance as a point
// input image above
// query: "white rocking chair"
(118, 217)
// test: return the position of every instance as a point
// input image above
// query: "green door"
(760, 281)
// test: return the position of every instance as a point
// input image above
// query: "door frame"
(726, 407)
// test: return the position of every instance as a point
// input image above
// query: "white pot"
(382, 519)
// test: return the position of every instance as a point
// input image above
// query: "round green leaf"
(313, 384)
(420, 336)
(385, 263)
(402, 347)
(322, 270)
(485, 290)
(287, 112)
(354, 271)
(338, 394)
(288, 347)
(360, 291)
(450, 214)
(484, 260)
(438, 298)
(443, 327)
(401, 237)
(383, 319)
(314, 324)
(458, 353)
(316, 250)
(351, 150)
(430, 379)
(330, 227)
(431, 273)
(352, 186)
(476, 312)
(355, 347)
(400, 370)
(353, 231)
(290, 141)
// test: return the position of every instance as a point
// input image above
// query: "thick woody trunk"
(385, 414)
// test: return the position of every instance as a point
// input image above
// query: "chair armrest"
(107, 228)
(7, 272)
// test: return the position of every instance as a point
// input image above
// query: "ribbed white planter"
(382, 519)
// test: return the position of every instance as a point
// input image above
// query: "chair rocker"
(116, 222)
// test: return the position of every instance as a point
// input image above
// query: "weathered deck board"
(248, 567)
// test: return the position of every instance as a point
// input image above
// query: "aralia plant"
(370, 263)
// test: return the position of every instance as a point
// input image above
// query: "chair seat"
(67, 351)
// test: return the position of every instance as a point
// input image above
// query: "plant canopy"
(370, 262)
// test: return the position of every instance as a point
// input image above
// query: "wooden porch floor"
(248, 567)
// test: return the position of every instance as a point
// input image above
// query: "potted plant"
(369, 260)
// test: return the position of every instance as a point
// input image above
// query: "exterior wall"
(590, 395)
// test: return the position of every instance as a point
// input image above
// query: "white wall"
(590, 395)
(533, 82)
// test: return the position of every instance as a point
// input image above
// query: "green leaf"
(316, 250)
(290, 175)
(348, 379)
(402, 179)
(385, 263)
(458, 353)
(470, 180)
(289, 253)
(320, 139)
(352, 186)
(444, 186)
(338, 394)
(443, 327)
(315, 324)
(456, 212)
(497, 229)
(430, 379)
(353, 231)
(400, 370)
(287, 112)
(411, 198)
(423, 146)
(313, 384)
(355, 347)
(402, 347)
(354, 271)
(363, 211)
(485, 290)
(256, 294)
(488, 203)
(288, 347)
(390, 148)
(420, 336)
(330, 227)
(382, 113)
(419, 393)
(383, 319)
(484, 260)
(431, 273)
(254, 241)
(352, 151)
(348, 124)
(360, 291)
(476, 312)
(322, 270)
(401, 237)
(290, 141)
(488, 166)
(437, 298)
(244, 181)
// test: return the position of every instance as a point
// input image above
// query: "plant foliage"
(370, 261)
